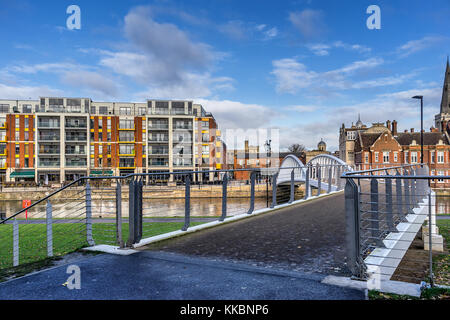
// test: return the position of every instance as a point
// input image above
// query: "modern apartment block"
(55, 140)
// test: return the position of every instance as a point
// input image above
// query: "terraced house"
(55, 140)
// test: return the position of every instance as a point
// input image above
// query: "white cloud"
(234, 29)
(309, 22)
(27, 92)
(414, 46)
(292, 76)
(100, 85)
(322, 49)
(303, 108)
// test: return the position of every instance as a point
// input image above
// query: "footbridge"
(322, 172)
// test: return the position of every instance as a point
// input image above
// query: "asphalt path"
(166, 276)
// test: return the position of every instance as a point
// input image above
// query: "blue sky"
(302, 67)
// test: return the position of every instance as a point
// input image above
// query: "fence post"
(138, 209)
(413, 189)
(131, 213)
(430, 237)
(353, 228)
(389, 207)
(119, 214)
(319, 180)
(291, 198)
(15, 243)
(338, 178)
(274, 190)
(252, 192)
(187, 204)
(407, 197)
(399, 196)
(307, 183)
(374, 213)
(48, 211)
(89, 237)
(224, 197)
(330, 178)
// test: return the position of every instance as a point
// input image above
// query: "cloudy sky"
(303, 66)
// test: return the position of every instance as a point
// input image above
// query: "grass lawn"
(441, 263)
(67, 237)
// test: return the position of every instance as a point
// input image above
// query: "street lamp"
(421, 126)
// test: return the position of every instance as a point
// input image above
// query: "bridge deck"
(308, 237)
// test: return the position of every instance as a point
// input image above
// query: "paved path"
(308, 237)
(165, 276)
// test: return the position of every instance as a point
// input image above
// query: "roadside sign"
(26, 204)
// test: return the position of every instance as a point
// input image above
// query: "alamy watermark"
(74, 20)
(74, 280)
(374, 20)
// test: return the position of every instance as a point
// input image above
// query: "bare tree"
(296, 148)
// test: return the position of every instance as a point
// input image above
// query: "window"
(91, 149)
(126, 124)
(126, 136)
(433, 156)
(413, 157)
(17, 136)
(26, 108)
(100, 149)
(406, 157)
(108, 124)
(17, 163)
(376, 156)
(27, 122)
(385, 156)
(395, 156)
(351, 135)
(92, 109)
(366, 157)
(27, 163)
(126, 149)
(142, 111)
(17, 123)
(205, 150)
(4, 108)
(205, 124)
(27, 136)
(125, 111)
(440, 158)
(103, 110)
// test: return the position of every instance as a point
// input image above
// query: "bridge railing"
(390, 214)
(122, 210)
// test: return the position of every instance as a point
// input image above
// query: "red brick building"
(382, 146)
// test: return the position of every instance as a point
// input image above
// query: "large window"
(125, 111)
(376, 156)
(440, 158)
(413, 157)
(126, 136)
(126, 124)
(386, 157)
(103, 110)
(433, 156)
(406, 157)
(4, 108)
(126, 149)
(26, 108)
(366, 157)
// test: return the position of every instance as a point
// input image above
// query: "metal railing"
(123, 210)
(390, 214)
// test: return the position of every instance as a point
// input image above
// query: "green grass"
(427, 294)
(67, 237)
(441, 263)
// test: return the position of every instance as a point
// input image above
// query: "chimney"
(412, 130)
(388, 125)
(406, 131)
(394, 127)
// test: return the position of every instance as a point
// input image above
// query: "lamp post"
(421, 126)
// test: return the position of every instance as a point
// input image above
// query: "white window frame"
(385, 156)
(440, 157)
(414, 157)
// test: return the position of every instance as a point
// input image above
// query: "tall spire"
(359, 123)
(445, 107)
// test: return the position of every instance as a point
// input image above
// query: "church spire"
(445, 107)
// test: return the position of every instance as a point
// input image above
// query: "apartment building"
(55, 140)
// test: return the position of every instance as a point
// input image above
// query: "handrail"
(346, 174)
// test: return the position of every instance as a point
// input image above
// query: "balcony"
(158, 140)
(158, 126)
(76, 162)
(76, 138)
(49, 163)
(48, 137)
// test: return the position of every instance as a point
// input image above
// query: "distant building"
(347, 138)
(321, 149)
